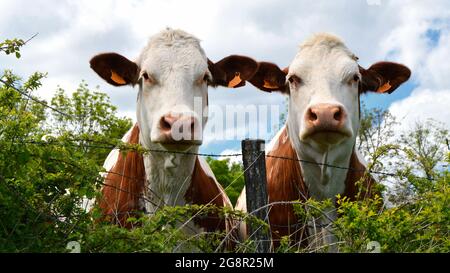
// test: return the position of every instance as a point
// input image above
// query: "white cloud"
(427, 57)
(421, 105)
(435, 70)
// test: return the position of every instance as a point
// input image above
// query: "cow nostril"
(338, 115)
(312, 116)
(165, 126)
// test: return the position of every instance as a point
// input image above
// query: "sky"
(415, 33)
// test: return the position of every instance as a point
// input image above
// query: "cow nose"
(170, 125)
(326, 117)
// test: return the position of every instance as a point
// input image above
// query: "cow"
(324, 83)
(172, 74)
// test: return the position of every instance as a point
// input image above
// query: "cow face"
(324, 82)
(323, 86)
(173, 74)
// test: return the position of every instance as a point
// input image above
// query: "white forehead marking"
(324, 54)
(328, 42)
(172, 48)
(170, 38)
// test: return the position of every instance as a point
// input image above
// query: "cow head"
(173, 74)
(324, 82)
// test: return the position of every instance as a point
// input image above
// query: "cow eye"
(294, 79)
(354, 79)
(147, 78)
(206, 78)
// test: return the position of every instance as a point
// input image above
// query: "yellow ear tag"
(385, 87)
(116, 78)
(269, 85)
(235, 81)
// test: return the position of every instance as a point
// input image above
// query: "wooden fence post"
(253, 157)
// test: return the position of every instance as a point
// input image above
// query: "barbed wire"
(100, 145)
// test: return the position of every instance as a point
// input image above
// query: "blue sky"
(416, 33)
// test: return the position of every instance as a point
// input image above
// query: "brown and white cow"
(173, 75)
(324, 83)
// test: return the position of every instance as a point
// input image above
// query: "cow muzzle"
(179, 131)
(326, 123)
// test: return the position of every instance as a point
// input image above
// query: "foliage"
(12, 46)
(166, 231)
(229, 175)
(424, 147)
(91, 121)
(420, 225)
(160, 233)
(43, 182)
(376, 139)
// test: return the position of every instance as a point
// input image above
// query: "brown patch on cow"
(204, 190)
(284, 183)
(124, 186)
(224, 71)
(357, 174)
(269, 77)
(127, 71)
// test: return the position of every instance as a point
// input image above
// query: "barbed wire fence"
(230, 234)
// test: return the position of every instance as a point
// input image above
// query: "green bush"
(422, 224)
(46, 164)
(229, 175)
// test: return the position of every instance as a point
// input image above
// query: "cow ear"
(232, 71)
(383, 77)
(270, 77)
(115, 69)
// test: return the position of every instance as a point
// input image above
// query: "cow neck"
(178, 180)
(132, 186)
(294, 174)
(284, 174)
(168, 176)
(284, 183)
(323, 181)
(357, 173)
